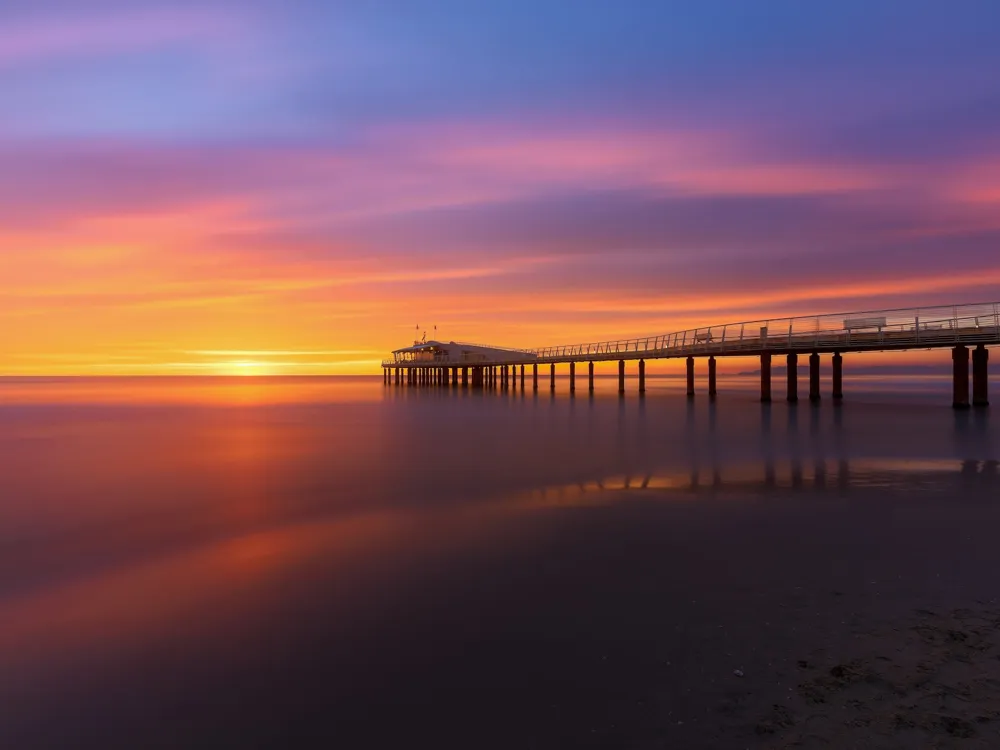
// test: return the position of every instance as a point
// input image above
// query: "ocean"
(269, 562)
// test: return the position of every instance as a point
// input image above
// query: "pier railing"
(856, 330)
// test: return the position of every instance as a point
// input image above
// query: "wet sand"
(928, 680)
(711, 618)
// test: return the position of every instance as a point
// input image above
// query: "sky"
(292, 186)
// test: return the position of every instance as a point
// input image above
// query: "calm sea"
(335, 563)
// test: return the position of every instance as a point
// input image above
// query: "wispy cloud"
(35, 39)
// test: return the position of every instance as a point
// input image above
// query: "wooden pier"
(965, 329)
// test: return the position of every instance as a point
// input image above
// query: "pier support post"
(765, 378)
(814, 377)
(838, 376)
(572, 377)
(690, 377)
(590, 376)
(534, 377)
(621, 377)
(711, 378)
(465, 377)
(522, 378)
(454, 377)
(552, 377)
(792, 373)
(980, 375)
(960, 375)
(642, 376)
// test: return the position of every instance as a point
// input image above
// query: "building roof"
(453, 347)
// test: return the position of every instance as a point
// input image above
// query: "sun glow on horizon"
(245, 368)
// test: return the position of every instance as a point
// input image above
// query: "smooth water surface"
(270, 562)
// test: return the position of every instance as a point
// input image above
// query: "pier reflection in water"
(897, 476)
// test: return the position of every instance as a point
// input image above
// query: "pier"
(967, 330)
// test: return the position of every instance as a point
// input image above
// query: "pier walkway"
(957, 327)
